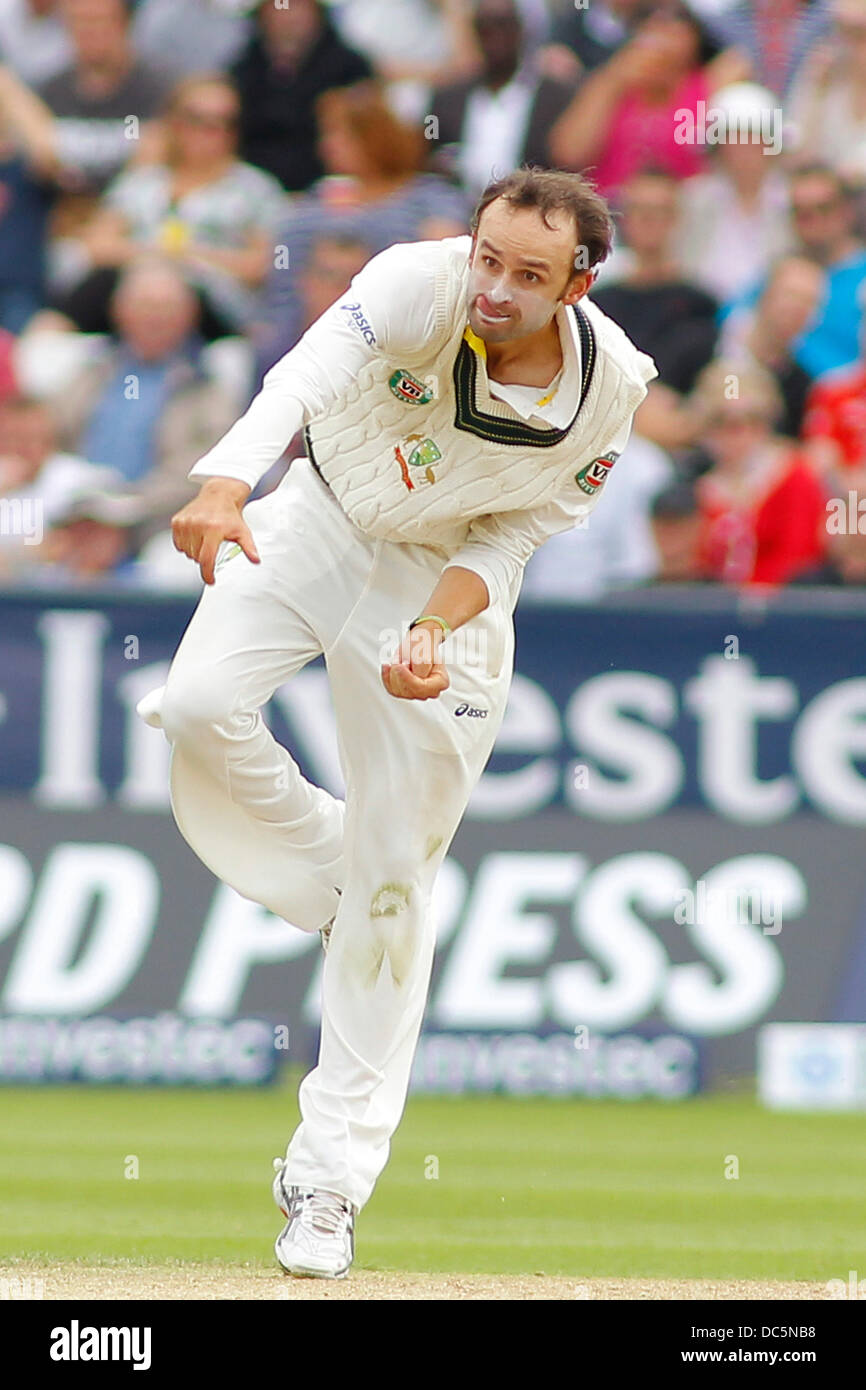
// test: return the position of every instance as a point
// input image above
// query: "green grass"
(591, 1188)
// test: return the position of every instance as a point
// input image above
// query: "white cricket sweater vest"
(417, 447)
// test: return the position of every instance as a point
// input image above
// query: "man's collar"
(558, 408)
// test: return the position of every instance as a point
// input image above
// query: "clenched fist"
(418, 673)
(200, 527)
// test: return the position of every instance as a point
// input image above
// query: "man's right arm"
(389, 303)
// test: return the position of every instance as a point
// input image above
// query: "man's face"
(676, 539)
(822, 217)
(26, 435)
(521, 270)
(792, 296)
(329, 274)
(736, 432)
(650, 213)
(154, 313)
(500, 34)
(291, 25)
(96, 27)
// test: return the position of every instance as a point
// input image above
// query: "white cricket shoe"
(318, 1239)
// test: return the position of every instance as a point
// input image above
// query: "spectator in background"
(92, 99)
(662, 312)
(25, 202)
(38, 483)
(191, 36)
(294, 56)
(615, 548)
(413, 45)
(501, 118)
(82, 125)
(332, 263)
(823, 213)
(845, 558)
(147, 410)
(374, 191)
(766, 334)
(627, 114)
(762, 506)
(676, 530)
(594, 32)
(34, 41)
(205, 208)
(835, 425)
(735, 215)
(774, 36)
(828, 101)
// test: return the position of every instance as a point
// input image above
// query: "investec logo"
(77, 1343)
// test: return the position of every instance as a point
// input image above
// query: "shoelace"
(324, 1211)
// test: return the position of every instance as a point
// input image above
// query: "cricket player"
(461, 403)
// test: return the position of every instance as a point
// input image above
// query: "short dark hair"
(677, 500)
(552, 190)
(652, 171)
(816, 170)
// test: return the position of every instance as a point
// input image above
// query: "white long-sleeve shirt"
(389, 310)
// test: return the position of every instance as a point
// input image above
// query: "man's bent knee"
(192, 704)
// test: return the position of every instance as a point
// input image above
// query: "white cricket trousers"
(409, 766)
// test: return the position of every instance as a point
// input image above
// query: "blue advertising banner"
(664, 854)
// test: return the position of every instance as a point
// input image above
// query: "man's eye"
(488, 260)
(530, 275)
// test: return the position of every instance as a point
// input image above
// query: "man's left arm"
(499, 545)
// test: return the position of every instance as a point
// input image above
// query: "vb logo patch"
(593, 475)
(416, 456)
(408, 388)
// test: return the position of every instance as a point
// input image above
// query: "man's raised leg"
(238, 796)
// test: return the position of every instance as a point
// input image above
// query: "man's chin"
(490, 332)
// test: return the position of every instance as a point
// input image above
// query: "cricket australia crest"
(416, 456)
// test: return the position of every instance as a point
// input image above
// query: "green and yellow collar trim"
(496, 428)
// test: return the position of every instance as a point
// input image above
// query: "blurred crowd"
(185, 187)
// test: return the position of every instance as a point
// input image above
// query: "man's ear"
(579, 285)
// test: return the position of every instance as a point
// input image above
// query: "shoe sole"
(311, 1273)
(304, 1272)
